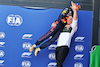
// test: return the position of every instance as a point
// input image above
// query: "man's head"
(69, 19)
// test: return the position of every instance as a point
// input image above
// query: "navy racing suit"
(55, 30)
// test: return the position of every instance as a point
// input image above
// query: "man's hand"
(53, 24)
(74, 7)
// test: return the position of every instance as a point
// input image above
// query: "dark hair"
(70, 13)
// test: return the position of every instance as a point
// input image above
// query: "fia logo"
(2, 35)
(79, 48)
(1, 62)
(78, 64)
(52, 47)
(14, 20)
(26, 64)
(79, 39)
(27, 45)
(26, 55)
(79, 56)
(52, 56)
(2, 53)
(52, 64)
(27, 36)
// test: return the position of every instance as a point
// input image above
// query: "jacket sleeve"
(74, 27)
